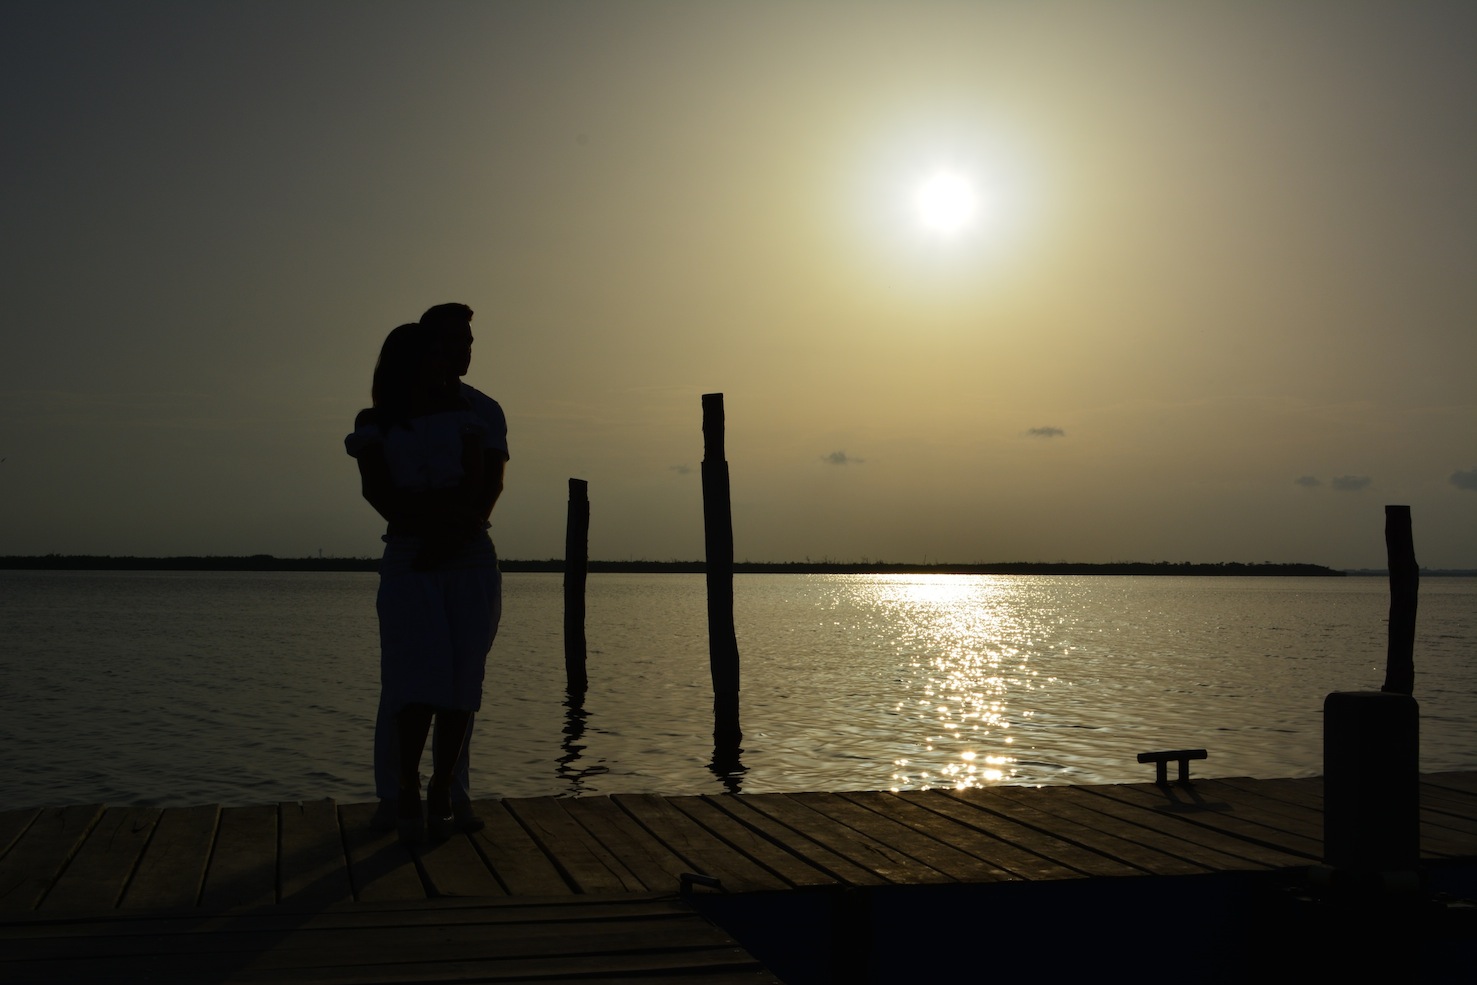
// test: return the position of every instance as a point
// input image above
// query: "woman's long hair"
(399, 373)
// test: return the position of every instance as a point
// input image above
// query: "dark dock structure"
(716, 889)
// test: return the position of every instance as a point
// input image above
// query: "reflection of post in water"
(726, 765)
(576, 720)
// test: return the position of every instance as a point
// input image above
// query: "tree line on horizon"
(268, 562)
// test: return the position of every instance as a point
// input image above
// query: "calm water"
(184, 688)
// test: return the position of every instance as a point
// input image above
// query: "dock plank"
(1443, 842)
(931, 838)
(313, 867)
(1028, 829)
(13, 824)
(102, 867)
(651, 860)
(1446, 802)
(807, 814)
(198, 904)
(578, 854)
(1307, 792)
(635, 939)
(746, 810)
(40, 854)
(1448, 818)
(243, 866)
(984, 837)
(702, 851)
(513, 856)
(1108, 835)
(1204, 845)
(1231, 836)
(454, 868)
(1464, 782)
(380, 868)
(1274, 812)
(1193, 808)
(171, 871)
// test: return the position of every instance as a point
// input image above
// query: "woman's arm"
(378, 488)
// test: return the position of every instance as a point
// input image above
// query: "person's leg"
(386, 765)
(406, 622)
(461, 785)
(450, 742)
(386, 752)
(473, 609)
(414, 721)
(486, 610)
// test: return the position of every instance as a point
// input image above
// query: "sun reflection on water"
(959, 643)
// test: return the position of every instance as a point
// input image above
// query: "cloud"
(1465, 480)
(681, 469)
(1047, 432)
(1307, 481)
(1350, 483)
(841, 458)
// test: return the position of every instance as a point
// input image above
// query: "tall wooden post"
(723, 657)
(1405, 583)
(576, 565)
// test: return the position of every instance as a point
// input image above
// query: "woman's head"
(400, 374)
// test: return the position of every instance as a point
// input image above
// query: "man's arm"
(493, 467)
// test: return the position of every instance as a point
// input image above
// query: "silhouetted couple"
(431, 453)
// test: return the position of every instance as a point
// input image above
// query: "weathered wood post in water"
(1405, 584)
(576, 566)
(723, 657)
(1371, 753)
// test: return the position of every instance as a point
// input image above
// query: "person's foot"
(466, 817)
(440, 820)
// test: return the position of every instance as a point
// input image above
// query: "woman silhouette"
(432, 466)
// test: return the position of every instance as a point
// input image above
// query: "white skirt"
(437, 626)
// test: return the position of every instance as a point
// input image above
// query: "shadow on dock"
(1219, 928)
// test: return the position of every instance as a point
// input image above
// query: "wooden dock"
(595, 888)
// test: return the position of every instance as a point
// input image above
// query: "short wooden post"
(1405, 583)
(1371, 754)
(576, 565)
(723, 657)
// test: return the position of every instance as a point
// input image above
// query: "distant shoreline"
(267, 562)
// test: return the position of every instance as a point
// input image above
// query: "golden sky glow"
(1213, 302)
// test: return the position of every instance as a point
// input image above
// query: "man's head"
(451, 326)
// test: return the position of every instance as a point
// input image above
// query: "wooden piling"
(723, 657)
(1405, 581)
(576, 567)
(1371, 755)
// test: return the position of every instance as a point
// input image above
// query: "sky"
(1207, 294)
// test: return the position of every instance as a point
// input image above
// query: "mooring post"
(1371, 754)
(723, 657)
(576, 564)
(1405, 584)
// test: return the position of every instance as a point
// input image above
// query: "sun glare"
(946, 202)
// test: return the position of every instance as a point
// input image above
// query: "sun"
(946, 202)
